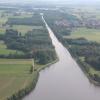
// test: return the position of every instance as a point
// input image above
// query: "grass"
(22, 28)
(14, 75)
(39, 67)
(8, 51)
(90, 34)
(92, 71)
(25, 28)
(5, 51)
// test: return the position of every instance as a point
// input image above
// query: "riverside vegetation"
(25, 49)
(80, 38)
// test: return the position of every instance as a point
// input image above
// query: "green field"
(25, 28)
(19, 76)
(14, 75)
(5, 51)
(90, 34)
(20, 16)
(21, 28)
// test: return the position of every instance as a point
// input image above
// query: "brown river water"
(63, 80)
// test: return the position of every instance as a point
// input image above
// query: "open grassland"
(90, 34)
(14, 75)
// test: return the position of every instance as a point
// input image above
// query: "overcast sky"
(61, 1)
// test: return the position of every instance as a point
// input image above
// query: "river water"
(63, 80)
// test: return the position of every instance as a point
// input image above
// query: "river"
(63, 80)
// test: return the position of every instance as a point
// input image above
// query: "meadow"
(5, 51)
(14, 75)
(4, 16)
(89, 34)
(23, 29)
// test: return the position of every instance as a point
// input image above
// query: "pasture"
(5, 51)
(23, 29)
(14, 75)
(90, 34)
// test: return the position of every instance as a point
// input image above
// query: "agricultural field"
(23, 37)
(14, 75)
(4, 16)
(89, 34)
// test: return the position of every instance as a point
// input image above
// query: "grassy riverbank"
(89, 71)
(23, 91)
(14, 75)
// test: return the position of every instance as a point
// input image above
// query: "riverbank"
(25, 91)
(85, 67)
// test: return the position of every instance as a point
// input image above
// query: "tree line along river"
(63, 80)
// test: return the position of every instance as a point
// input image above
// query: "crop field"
(14, 75)
(90, 34)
